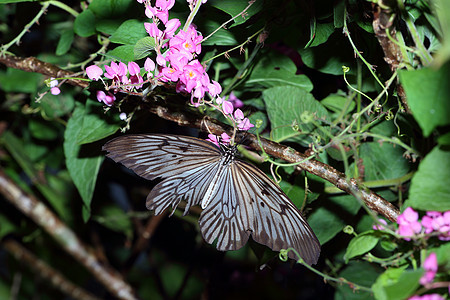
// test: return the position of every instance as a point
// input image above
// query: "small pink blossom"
(55, 90)
(108, 99)
(238, 114)
(215, 89)
(149, 65)
(431, 266)
(380, 226)
(227, 107)
(165, 4)
(171, 27)
(94, 72)
(235, 100)
(427, 297)
(152, 30)
(224, 139)
(408, 224)
(245, 124)
(160, 60)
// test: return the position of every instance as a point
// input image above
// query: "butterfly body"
(238, 199)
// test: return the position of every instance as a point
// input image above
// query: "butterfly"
(237, 198)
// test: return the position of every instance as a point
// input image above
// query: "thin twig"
(45, 218)
(45, 271)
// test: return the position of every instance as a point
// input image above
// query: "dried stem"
(44, 217)
(45, 271)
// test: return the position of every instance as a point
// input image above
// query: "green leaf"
(275, 71)
(285, 106)
(220, 38)
(338, 103)
(57, 106)
(443, 255)
(65, 42)
(96, 124)
(144, 47)
(360, 244)
(116, 219)
(359, 272)
(234, 7)
(43, 130)
(428, 91)
(382, 161)
(396, 283)
(429, 186)
(323, 32)
(129, 32)
(326, 221)
(83, 165)
(84, 24)
(124, 53)
(7, 226)
(109, 8)
(19, 81)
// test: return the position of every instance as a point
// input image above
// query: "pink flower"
(94, 72)
(427, 297)
(150, 11)
(378, 226)
(227, 107)
(171, 27)
(408, 224)
(223, 139)
(165, 4)
(245, 124)
(215, 89)
(235, 100)
(107, 99)
(149, 65)
(55, 90)
(238, 114)
(431, 266)
(153, 31)
(117, 72)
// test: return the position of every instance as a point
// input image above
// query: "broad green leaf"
(129, 32)
(429, 186)
(275, 71)
(144, 47)
(84, 24)
(323, 32)
(124, 53)
(172, 278)
(360, 244)
(234, 7)
(427, 91)
(382, 161)
(43, 130)
(441, 10)
(6, 226)
(220, 38)
(83, 163)
(338, 103)
(327, 221)
(56, 106)
(65, 42)
(96, 124)
(443, 255)
(359, 272)
(286, 108)
(396, 284)
(110, 8)
(116, 219)
(15, 80)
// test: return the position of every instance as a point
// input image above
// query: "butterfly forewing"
(152, 156)
(240, 200)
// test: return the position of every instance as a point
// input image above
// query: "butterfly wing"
(186, 162)
(157, 155)
(249, 203)
(189, 186)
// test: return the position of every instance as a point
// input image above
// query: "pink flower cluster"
(176, 59)
(431, 266)
(122, 76)
(434, 221)
(427, 297)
